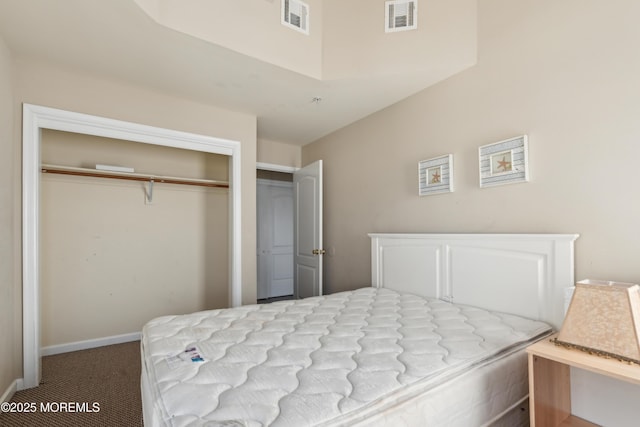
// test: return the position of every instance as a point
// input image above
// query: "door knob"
(318, 252)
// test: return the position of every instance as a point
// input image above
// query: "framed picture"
(504, 162)
(435, 175)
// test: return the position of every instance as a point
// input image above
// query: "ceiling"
(117, 40)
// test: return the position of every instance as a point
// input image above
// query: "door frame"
(273, 168)
(276, 168)
(34, 119)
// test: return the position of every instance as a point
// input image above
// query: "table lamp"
(604, 318)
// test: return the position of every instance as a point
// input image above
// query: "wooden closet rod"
(66, 170)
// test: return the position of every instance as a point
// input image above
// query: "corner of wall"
(10, 339)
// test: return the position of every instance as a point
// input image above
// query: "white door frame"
(276, 168)
(34, 119)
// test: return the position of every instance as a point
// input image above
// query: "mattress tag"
(190, 355)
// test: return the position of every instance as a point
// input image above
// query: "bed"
(437, 339)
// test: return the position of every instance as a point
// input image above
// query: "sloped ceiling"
(117, 39)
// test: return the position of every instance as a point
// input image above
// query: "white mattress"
(370, 356)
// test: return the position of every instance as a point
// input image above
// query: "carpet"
(95, 387)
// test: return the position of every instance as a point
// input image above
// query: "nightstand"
(550, 385)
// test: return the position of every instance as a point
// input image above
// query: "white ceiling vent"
(295, 14)
(401, 15)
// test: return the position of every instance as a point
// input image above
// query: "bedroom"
(571, 86)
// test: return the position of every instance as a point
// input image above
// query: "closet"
(120, 248)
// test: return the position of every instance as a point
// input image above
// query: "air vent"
(401, 15)
(295, 14)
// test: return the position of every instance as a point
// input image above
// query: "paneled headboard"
(524, 274)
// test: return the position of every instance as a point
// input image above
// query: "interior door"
(275, 238)
(307, 241)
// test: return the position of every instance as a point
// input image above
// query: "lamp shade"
(604, 318)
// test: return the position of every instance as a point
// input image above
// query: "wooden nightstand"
(550, 385)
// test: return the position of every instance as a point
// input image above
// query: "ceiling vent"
(401, 15)
(295, 14)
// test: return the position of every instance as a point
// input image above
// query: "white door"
(307, 246)
(275, 238)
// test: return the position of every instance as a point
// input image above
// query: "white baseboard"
(84, 345)
(8, 394)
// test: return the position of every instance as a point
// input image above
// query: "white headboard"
(524, 274)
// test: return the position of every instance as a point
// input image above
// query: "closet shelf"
(67, 170)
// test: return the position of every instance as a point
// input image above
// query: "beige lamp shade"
(604, 317)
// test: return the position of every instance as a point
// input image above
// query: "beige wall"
(355, 42)
(85, 151)
(104, 249)
(10, 338)
(278, 153)
(346, 39)
(565, 73)
(251, 27)
(43, 84)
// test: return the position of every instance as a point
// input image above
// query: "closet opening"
(36, 121)
(129, 228)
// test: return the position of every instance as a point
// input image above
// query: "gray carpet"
(102, 384)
